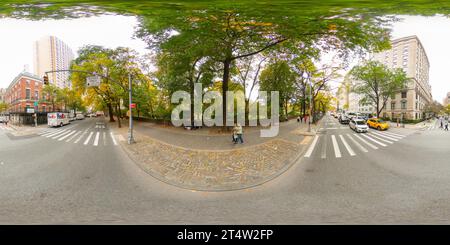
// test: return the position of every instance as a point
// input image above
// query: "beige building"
(50, 54)
(2, 95)
(408, 54)
(447, 99)
(350, 101)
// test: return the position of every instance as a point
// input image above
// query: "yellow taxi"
(377, 123)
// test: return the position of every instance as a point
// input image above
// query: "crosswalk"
(87, 137)
(350, 143)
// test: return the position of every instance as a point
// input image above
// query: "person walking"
(238, 129)
(442, 123)
(446, 125)
(235, 134)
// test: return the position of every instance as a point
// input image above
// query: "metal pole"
(130, 129)
(310, 101)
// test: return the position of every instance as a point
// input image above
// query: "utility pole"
(130, 129)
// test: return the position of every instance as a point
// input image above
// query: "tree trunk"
(110, 112)
(247, 111)
(118, 116)
(226, 78)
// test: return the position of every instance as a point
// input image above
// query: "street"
(52, 178)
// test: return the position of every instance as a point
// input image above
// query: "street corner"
(213, 170)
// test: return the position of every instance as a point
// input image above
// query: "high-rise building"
(50, 54)
(408, 54)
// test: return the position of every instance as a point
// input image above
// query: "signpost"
(93, 81)
(133, 105)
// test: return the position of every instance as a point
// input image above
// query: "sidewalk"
(25, 130)
(212, 162)
(420, 125)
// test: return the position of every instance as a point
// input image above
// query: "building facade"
(350, 101)
(408, 54)
(2, 95)
(23, 92)
(447, 99)
(50, 54)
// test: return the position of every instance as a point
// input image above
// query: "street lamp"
(306, 76)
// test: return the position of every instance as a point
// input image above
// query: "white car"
(359, 125)
(55, 119)
(80, 116)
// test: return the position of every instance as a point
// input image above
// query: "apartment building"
(23, 92)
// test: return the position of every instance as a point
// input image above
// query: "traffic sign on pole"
(133, 105)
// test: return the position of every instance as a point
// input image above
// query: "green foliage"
(377, 83)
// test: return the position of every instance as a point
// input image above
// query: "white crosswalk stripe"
(379, 138)
(62, 134)
(73, 136)
(367, 143)
(81, 136)
(337, 152)
(307, 154)
(394, 134)
(378, 142)
(67, 135)
(53, 134)
(88, 138)
(385, 136)
(96, 139)
(113, 139)
(357, 144)
(349, 149)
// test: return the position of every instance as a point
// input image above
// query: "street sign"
(133, 105)
(93, 81)
(30, 110)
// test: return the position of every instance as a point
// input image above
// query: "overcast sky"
(17, 36)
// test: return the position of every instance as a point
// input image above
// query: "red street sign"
(133, 105)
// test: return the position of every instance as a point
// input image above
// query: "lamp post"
(130, 128)
(306, 76)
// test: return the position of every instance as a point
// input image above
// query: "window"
(403, 104)
(393, 106)
(403, 95)
(27, 94)
(36, 95)
(28, 83)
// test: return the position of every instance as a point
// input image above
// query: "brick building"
(23, 92)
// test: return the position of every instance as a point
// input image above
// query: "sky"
(17, 37)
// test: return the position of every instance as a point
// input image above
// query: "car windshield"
(360, 122)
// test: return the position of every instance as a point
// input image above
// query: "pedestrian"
(446, 125)
(442, 123)
(298, 119)
(238, 129)
(235, 134)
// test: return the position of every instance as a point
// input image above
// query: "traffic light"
(45, 79)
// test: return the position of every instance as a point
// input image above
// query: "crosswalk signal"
(45, 79)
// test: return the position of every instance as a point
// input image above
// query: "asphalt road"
(49, 180)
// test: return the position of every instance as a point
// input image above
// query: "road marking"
(376, 141)
(331, 128)
(385, 136)
(53, 134)
(113, 139)
(59, 135)
(337, 152)
(324, 148)
(369, 144)
(88, 138)
(376, 137)
(81, 136)
(67, 135)
(104, 138)
(394, 134)
(311, 147)
(71, 138)
(96, 139)
(357, 144)
(349, 149)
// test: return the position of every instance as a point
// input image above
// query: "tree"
(50, 93)
(4, 106)
(377, 83)
(433, 108)
(277, 76)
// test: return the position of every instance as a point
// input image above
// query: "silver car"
(359, 125)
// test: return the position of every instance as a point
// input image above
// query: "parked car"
(378, 124)
(358, 125)
(343, 119)
(80, 116)
(57, 119)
